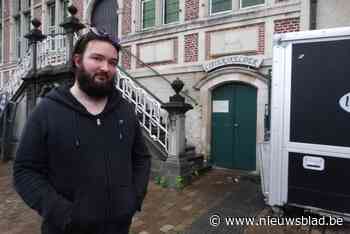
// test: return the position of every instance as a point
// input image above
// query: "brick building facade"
(181, 39)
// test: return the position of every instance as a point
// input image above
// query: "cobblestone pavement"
(15, 216)
(165, 210)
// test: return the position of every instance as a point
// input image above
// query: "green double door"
(234, 126)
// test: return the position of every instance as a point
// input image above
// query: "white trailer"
(309, 164)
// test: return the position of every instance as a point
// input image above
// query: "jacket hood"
(63, 96)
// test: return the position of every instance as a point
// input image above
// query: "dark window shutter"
(149, 13)
(220, 5)
(171, 11)
(248, 3)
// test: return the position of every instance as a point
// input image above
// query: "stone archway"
(228, 75)
(103, 14)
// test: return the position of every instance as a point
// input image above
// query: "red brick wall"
(191, 9)
(126, 58)
(261, 40)
(191, 47)
(126, 18)
(287, 25)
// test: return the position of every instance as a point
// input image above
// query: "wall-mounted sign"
(220, 106)
(233, 60)
(344, 102)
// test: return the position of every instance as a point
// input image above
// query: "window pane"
(148, 14)
(171, 11)
(247, 3)
(220, 5)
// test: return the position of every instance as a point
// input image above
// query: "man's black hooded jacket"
(81, 170)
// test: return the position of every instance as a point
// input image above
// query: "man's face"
(96, 68)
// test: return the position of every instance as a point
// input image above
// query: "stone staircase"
(44, 67)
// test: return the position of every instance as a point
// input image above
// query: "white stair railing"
(153, 118)
(13, 78)
(53, 51)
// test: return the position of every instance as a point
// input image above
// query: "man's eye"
(113, 63)
(97, 58)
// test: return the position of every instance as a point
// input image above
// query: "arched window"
(104, 16)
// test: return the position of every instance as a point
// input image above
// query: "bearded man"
(82, 163)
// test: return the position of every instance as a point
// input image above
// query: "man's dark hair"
(81, 44)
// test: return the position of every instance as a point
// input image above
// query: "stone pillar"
(176, 169)
(34, 36)
(71, 25)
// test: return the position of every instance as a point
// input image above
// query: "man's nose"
(104, 66)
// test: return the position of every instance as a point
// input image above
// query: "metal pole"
(34, 44)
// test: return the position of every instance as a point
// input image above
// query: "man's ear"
(77, 60)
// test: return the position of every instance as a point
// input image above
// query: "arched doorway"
(104, 16)
(234, 123)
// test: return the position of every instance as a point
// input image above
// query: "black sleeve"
(30, 172)
(141, 165)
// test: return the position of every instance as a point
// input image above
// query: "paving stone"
(137, 223)
(192, 194)
(144, 232)
(179, 227)
(187, 208)
(166, 228)
(315, 231)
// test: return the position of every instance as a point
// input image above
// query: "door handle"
(235, 125)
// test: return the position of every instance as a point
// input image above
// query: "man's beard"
(88, 84)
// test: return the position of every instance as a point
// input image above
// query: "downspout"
(268, 109)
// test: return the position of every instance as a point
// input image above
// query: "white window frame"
(220, 12)
(240, 5)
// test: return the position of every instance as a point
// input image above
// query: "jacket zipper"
(108, 187)
(108, 179)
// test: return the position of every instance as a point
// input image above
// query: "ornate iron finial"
(72, 23)
(177, 85)
(36, 23)
(35, 34)
(72, 10)
(176, 104)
